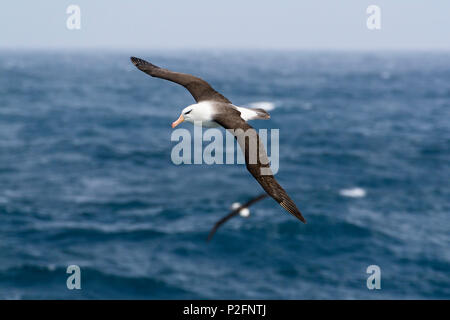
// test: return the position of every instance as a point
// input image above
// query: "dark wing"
(200, 89)
(233, 213)
(256, 158)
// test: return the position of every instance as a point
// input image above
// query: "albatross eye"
(187, 112)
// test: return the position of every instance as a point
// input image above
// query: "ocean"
(87, 179)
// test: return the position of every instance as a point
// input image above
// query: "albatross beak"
(179, 120)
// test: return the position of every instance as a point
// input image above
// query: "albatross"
(212, 109)
(234, 212)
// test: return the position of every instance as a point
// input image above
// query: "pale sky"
(232, 24)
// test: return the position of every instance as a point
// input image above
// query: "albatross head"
(195, 113)
(184, 116)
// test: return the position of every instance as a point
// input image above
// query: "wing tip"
(135, 61)
(138, 62)
(292, 209)
(210, 236)
(300, 217)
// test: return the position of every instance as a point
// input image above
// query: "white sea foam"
(353, 193)
(266, 105)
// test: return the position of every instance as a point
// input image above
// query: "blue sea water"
(86, 178)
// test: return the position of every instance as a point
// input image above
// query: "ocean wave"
(93, 280)
(266, 105)
(353, 193)
(87, 179)
(93, 228)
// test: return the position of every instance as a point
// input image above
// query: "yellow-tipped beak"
(179, 120)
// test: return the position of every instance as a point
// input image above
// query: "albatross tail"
(253, 113)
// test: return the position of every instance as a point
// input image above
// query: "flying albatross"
(213, 109)
(234, 212)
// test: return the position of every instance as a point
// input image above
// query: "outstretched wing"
(199, 89)
(256, 158)
(233, 213)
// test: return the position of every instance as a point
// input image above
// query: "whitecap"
(266, 105)
(51, 267)
(353, 193)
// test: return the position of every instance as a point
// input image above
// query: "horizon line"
(227, 49)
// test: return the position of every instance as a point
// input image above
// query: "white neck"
(202, 112)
